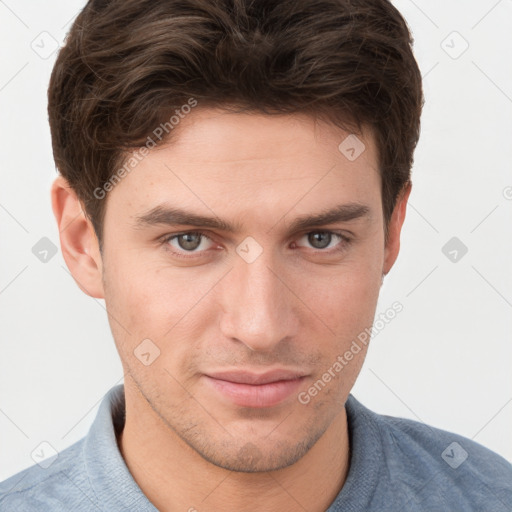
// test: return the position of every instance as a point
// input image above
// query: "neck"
(174, 477)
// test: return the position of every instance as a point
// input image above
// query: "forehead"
(254, 163)
(220, 135)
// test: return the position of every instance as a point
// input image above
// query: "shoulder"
(427, 464)
(62, 485)
(435, 445)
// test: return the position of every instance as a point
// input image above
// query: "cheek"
(134, 299)
(346, 305)
(156, 301)
(345, 298)
(143, 306)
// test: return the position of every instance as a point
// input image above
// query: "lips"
(244, 377)
(248, 389)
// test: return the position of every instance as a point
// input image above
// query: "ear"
(395, 227)
(78, 241)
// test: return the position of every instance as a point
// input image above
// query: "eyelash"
(344, 242)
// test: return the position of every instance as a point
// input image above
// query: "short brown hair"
(127, 65)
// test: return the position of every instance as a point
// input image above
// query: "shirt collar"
(366, 457)
(108, 474)
(116, 489)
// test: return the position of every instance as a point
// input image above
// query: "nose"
(259, 310)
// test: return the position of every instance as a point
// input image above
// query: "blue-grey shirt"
(395, 465)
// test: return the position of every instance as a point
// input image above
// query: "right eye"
(190, 242)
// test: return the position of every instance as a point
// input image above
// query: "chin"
(258, 457)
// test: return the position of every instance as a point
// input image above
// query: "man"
(233, 181)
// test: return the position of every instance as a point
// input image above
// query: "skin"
(296, 306)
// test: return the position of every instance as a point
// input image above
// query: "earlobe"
(395, 227)
(78, 240)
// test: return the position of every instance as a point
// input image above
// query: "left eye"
(322, 239)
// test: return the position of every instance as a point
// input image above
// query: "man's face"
(265, 296)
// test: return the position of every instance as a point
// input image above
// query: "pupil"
(187, 241)
(320, 239)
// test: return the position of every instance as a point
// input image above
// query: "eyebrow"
(172, 216)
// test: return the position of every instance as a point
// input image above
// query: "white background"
(446, 359)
